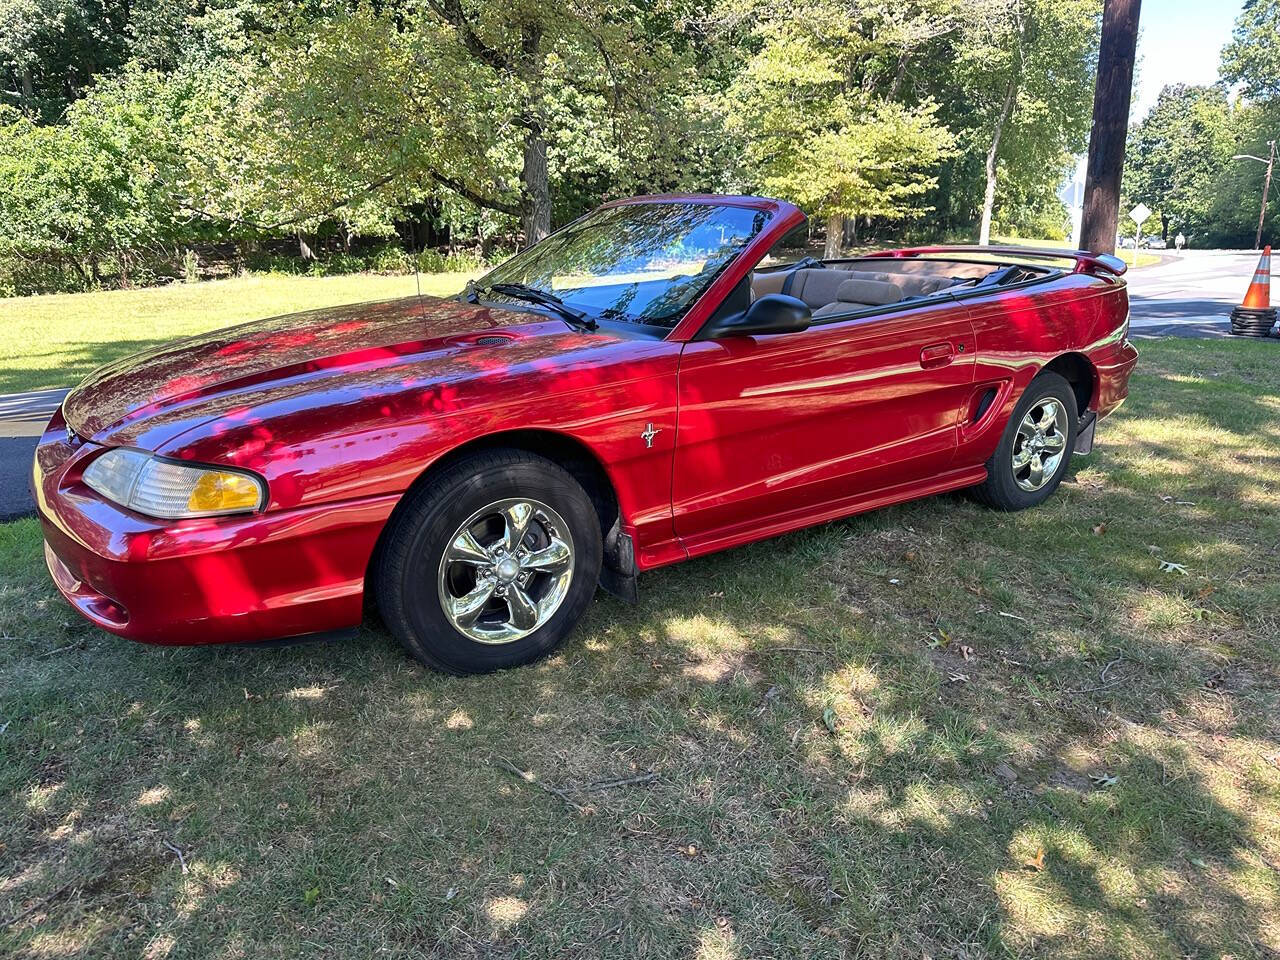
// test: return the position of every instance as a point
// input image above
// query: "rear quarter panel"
(1018, 332)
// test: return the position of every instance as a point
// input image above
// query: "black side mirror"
(771, 313)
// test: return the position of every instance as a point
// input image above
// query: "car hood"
(148, 399)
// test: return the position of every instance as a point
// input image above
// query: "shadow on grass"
(339, 794)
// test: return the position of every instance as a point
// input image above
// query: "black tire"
(407, 577)
(1001, 490)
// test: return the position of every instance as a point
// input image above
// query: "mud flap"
(618, 574)
(1084, 435)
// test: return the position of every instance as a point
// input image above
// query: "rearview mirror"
(771, 313)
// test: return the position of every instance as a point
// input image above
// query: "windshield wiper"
(520, 291)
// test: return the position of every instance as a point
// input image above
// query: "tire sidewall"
(1000, 467)
(425, 628)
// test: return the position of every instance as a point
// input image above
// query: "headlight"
(170, 490)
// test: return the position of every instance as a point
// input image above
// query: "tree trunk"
(304, 248)
(899, 76)
(78, 268)
(536, 204)
(1164, 228)
(989, 198)
(835, 233)
(1110, 125)
(28, 90)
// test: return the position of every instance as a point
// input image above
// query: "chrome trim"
(506, 570)
(1040, 444)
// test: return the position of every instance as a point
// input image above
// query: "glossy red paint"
(342, 410)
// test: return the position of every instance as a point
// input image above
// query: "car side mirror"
(771, 313)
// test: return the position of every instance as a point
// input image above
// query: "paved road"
(22, 420)
(1188, 295)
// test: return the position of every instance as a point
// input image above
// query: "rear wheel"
(490, 564)
(1035, 450)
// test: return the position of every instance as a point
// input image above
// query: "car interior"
(852, 286)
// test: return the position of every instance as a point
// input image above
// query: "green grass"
(56, 340)
(978, 669)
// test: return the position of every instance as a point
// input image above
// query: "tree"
(813, 127)
(50, 50)
(1252, 58)
(492, 102)
(539, 58)
(97, 187)
(1177, 152)
(1027, 66)
(1231, 216)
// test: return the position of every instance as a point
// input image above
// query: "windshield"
(644, 262)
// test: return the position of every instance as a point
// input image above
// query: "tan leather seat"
(858, 294)
(819, 287)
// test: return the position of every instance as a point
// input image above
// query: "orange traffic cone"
(1255, 317)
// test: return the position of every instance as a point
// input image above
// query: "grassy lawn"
(54, 341)
(929, 731)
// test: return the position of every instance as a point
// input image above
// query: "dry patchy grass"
(929, 731)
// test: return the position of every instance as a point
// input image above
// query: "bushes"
(459, 261)
(22, 277)
(134, 181)
(384, 258)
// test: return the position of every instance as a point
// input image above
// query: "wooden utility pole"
(1110, 125)
(1266, 189)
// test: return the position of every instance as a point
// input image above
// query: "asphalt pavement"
(1188, 294)
(22, 419)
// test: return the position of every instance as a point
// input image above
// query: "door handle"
(937, 355)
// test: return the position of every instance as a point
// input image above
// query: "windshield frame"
(779, 216)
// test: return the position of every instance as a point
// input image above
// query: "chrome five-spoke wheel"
(1040, 444)
(506, 570)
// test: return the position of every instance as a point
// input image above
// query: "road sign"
(1139, 214)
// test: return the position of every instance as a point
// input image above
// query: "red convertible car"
(653, 382)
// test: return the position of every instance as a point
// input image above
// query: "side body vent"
(491, 341)
(984, 404)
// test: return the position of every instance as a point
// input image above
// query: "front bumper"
(212, 580)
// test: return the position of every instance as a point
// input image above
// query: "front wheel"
(490, 564)
(1036, 447)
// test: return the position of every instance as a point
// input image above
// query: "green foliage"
(94, 188)
(1253, 56)
(812, 135)
(1175, 157)
(814, 129)
(140, 132)
(51, 50)
(1027, 67)
(1235, 196)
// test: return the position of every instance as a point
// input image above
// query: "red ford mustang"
(653, 382)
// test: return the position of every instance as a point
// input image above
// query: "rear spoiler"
(1092, 263)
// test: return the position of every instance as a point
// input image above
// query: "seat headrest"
(875, 292)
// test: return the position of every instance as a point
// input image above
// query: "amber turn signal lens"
(217, 492)
(163, 488)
